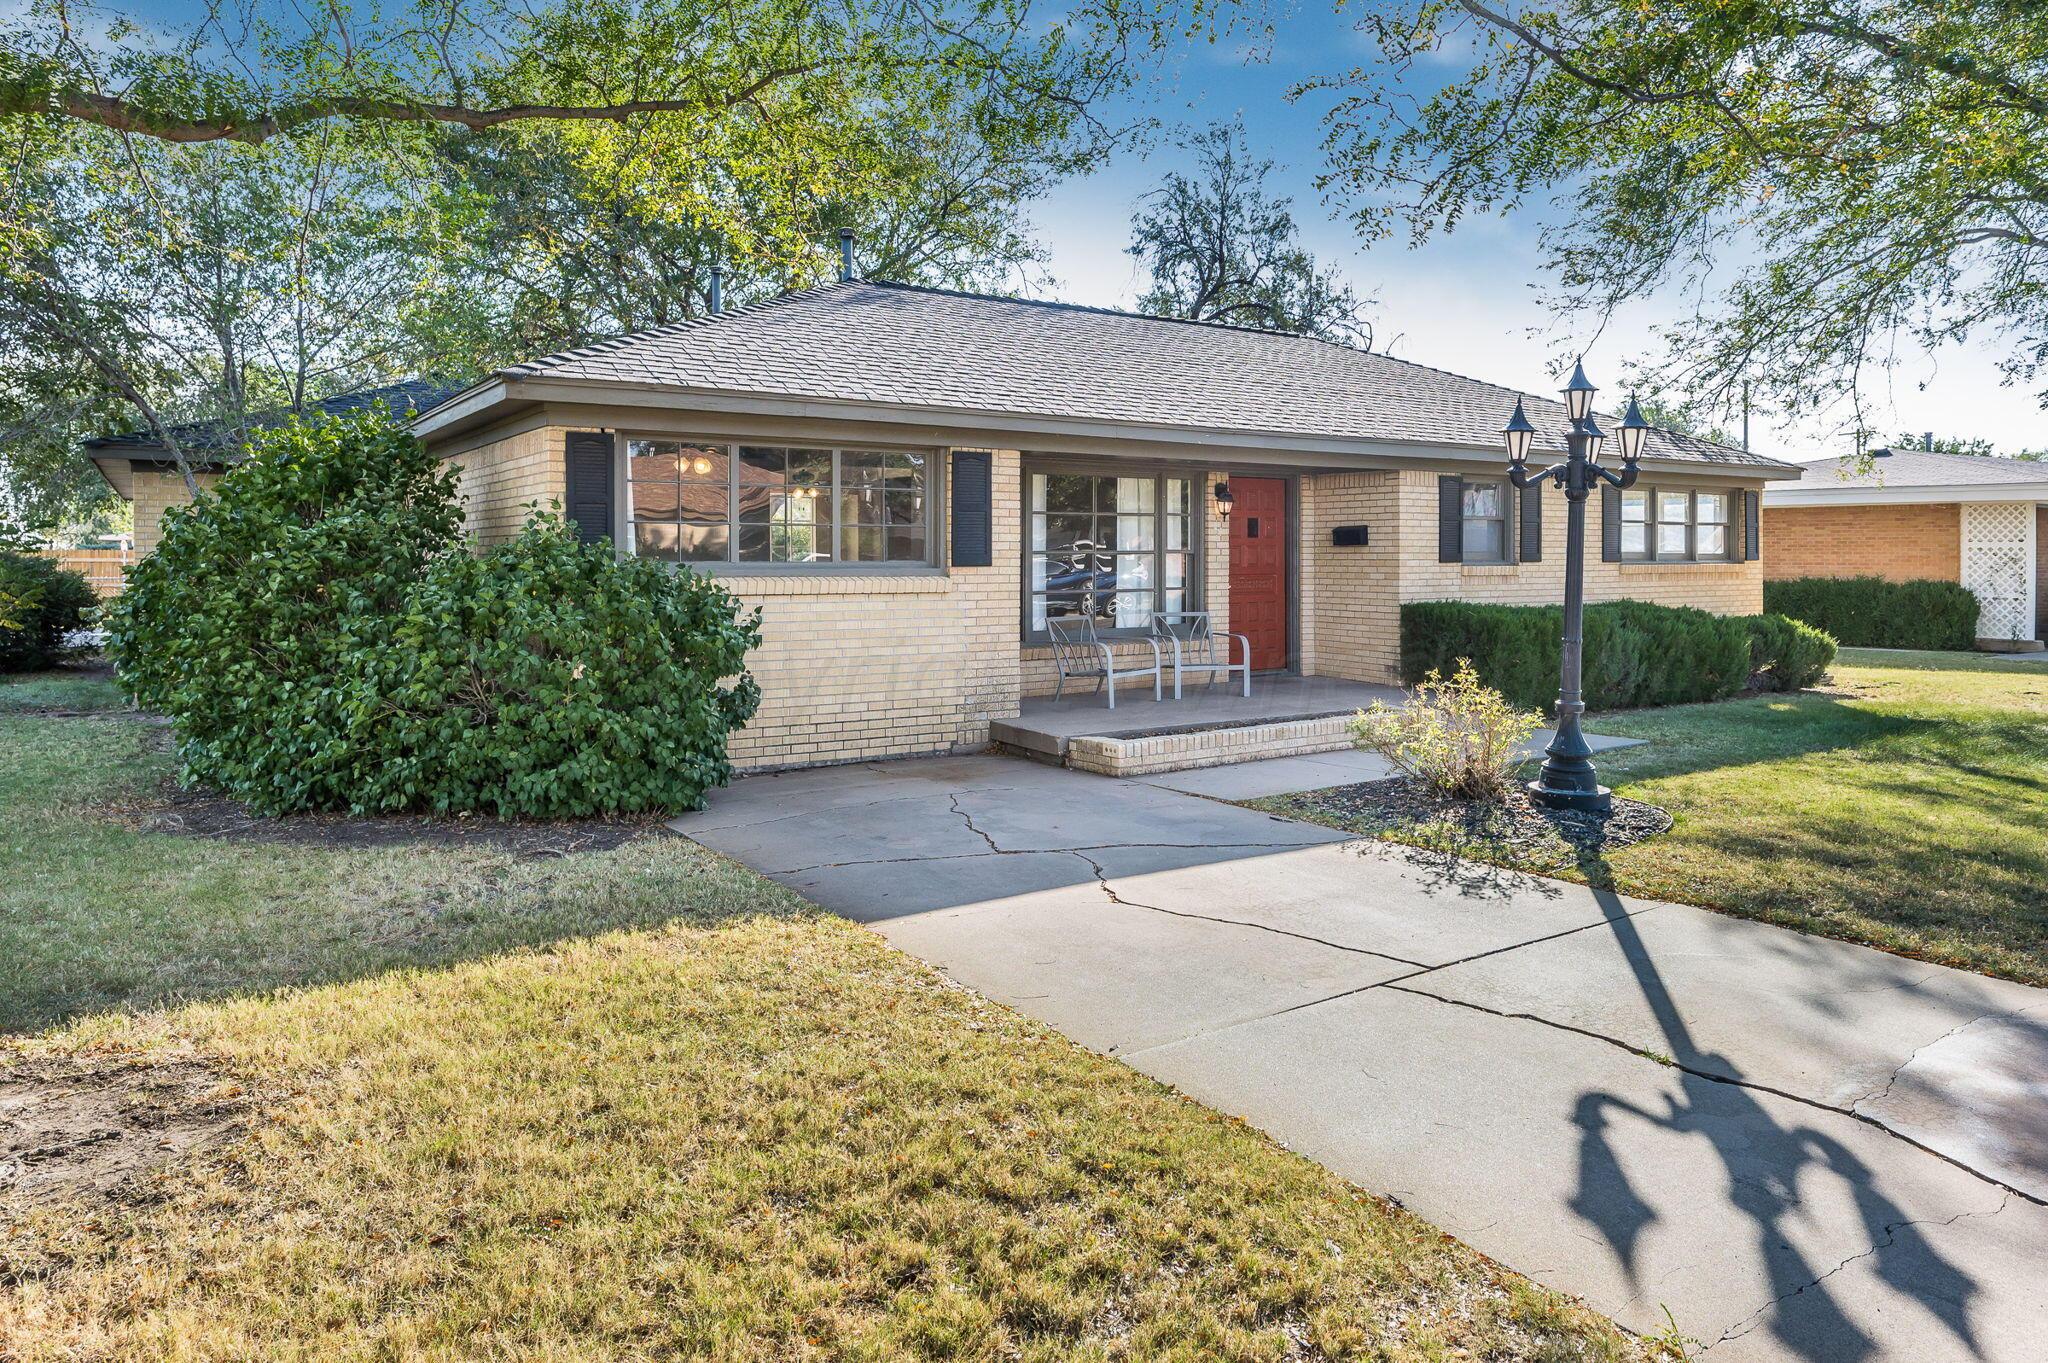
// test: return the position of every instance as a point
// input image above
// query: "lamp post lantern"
(1568, 780)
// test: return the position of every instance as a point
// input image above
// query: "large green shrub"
(1636, 653)
(1870, 612)
(40, 603)
(321, 639)
(1786, 654)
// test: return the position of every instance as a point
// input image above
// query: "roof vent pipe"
(717, 289)
(845, 255)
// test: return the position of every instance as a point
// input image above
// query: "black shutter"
(973, 517)
(1752, 528)
(587, 481)
(1610, 524)
(1529, 540)
(1450, 519)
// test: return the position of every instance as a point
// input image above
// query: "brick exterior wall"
(1902, 543)
(500, 478)
(156, 493)
(858, 667)
(1355, 595)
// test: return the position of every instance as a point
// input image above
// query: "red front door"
(1258, 568)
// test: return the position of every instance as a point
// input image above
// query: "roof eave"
(475, 406)
(1820, 494)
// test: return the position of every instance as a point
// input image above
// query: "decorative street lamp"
(1568, 780)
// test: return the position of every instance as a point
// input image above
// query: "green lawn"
(630, 1104)
(1904, 804)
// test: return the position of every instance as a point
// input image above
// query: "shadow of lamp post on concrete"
(1568, 780)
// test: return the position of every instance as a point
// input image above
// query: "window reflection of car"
(1088, 574)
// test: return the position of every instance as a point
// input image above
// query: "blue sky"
(1463, 302)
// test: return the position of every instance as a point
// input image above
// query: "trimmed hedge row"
(1636, 653)
(1870, 612)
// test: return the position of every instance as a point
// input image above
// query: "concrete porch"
(1209, 726)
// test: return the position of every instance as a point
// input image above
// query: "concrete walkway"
(1803, 1149)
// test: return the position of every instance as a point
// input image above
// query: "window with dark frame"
(1675, 525)
(1484, 511)
(1109, 546)
(699, 502)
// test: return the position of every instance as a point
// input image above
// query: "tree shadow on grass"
(1774, 1169)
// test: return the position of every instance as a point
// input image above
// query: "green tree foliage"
(1881, 164)
(40, 604)
(1221, 248)
(322, 640)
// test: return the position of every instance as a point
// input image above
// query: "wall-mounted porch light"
(1225, 499)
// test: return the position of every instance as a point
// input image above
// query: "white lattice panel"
(1998, 567)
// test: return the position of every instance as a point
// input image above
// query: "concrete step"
(1146, 752)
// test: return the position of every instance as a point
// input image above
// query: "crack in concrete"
(1888, 1237)
(1730, 1080)
(1102, 879)
(1884, 1091)
(972, 827)
(1035, 852)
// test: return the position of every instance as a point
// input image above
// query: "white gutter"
(1821, 494)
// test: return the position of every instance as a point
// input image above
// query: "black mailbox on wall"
(1347, 536)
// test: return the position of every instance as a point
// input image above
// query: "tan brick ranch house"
(1973, 519)
(911, 483)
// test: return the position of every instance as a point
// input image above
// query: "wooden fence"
(103, 568)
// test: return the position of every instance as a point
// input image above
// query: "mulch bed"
(1531, 834)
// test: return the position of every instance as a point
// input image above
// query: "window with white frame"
(1484, 508)
(1109, 546)
(690, 501)
(1675, 525)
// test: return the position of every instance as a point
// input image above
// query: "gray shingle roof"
(220, 437)
(1915, 468)
(928, 348)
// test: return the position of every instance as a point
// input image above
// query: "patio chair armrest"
(1246, 641)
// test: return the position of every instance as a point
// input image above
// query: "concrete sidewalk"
(1804, 1149)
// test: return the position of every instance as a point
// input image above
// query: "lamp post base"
(1598, 800)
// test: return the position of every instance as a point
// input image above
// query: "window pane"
(903, 508)
(1635, 539)
(1176, 570)
(1673, 506)
(655, 499)
(905, 543)
(1713, 541)
(1062, 533)
(1713, 508)
(1135, 532)
(1134, 494)
(1179, 496)
(702, 464)
(1063, 492)
(1670, 540)
(1133, 570)
(1482, 499)
(1635, 506)
(861, 543)
(655, 540)
(1132, 609)
(1483, 539)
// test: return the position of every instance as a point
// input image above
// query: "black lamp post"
(1568, 780)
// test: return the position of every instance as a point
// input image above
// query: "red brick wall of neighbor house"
(1902, 543)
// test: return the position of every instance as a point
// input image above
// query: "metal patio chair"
(1198, 648)
(1078, 652)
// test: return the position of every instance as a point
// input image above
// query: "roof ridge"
(609, 343)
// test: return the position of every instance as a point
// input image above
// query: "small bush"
(321, 639)
(1870, 612)
(1636, 653)
(40, 603)
(1786, 654)
(1458, 737)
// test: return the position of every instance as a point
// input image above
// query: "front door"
(1258, 568)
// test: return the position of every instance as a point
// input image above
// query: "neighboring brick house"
(1907, 515)
(910, 482)
(138, 466)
